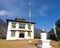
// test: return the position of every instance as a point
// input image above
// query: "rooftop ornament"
(20, 19)
(43, 31)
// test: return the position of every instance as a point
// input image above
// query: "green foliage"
(51, 34)
(58, 28)
(51, 31)
(58, 32)
(58, 23)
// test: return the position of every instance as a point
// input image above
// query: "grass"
(23, 44)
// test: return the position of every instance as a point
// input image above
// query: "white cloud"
(43, 10)
(3, 13)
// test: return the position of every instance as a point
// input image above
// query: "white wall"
(17, 32)
(9, 32)
(26, 33)
(32, 33)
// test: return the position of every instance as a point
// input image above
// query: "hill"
(37, 32)
(3, 28)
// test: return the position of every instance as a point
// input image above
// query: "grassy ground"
(23, 44)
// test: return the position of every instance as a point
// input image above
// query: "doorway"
(21, 35)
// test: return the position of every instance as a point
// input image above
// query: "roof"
(19, 21)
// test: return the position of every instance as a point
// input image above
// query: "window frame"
(29, 26)
(13, 34)
(13, 25)
(29, 34)
(22, 25)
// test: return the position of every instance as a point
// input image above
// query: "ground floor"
(16, 35)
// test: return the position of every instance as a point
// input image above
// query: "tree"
(58, 23)
(51, 34)
(58, 33)
(58, 28)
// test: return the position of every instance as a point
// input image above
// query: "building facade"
(19, 29)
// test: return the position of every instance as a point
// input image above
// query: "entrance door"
(21, 35)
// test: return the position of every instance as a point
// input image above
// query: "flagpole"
(30, 20)
(30, 11)
(56, 35)
(55, 30)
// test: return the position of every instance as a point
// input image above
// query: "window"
(13, 25)
(29, 34)
(29, 26)
(21, 25)
(12, 33)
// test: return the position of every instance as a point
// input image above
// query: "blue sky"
(44, 12)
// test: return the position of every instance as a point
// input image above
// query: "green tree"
(58, 28)
(58, 33)
(51, 34)
(58, 23)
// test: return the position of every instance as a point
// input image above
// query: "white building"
(19, 29)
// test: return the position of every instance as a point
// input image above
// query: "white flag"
(55, 31)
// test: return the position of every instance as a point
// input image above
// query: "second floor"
(20, 26)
